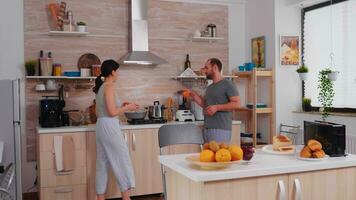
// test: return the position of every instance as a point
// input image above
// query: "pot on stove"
(156, 111)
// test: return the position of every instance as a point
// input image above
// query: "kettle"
(156, 111)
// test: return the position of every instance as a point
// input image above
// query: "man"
(221, 98)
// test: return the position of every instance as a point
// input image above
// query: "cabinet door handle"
(63, 190)
(133, 141)
(298, 190)
(282, 190)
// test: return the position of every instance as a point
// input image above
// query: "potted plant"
(81, 26)
(303, 72)
(306, 104)
(30, 67)
(326, 92)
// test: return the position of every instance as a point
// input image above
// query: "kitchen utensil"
(72, 73)
(212, 30)
(51, 85)
(40, 87)
(76, 117)
(96, 70)
(87, 60)
(85, 72)
(156, 111)
(46, 66)
(184, 116)
(136, 114)
(194, 160)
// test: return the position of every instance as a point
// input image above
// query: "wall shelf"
(67, 33)
(206, 39)
(259, 73)
(200, 77)
(61, 77)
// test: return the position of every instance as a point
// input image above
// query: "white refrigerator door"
(9, 132)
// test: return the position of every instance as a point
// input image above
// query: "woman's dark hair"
(106, 69)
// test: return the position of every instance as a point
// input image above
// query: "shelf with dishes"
(249, 74)
(62, 77)
(206, 39)
(68, 33)
(258, 110)
(199, 77)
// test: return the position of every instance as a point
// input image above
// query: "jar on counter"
(57, 69)
(212, 30)
(46, 66)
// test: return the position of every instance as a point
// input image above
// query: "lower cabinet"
(144, 152)
(336, 184)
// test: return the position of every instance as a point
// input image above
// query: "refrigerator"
(10, 131)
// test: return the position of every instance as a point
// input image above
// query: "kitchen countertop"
(262, 164)
(124, 126)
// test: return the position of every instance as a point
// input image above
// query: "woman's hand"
(130, 106)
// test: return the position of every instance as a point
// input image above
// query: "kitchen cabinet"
(144, 151)
(323, 185)
(59, 185)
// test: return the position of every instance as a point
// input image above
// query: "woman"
(112, 150)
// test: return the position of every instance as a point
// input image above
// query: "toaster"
(331, 135)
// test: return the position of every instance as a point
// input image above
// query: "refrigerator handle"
(17, 103)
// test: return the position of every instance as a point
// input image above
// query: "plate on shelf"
(313, 159)
(87, 60)
(194, 160)
(269, 149)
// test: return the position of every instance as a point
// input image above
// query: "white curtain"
(332, 29)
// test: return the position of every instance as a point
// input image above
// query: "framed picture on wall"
(258, 46)
(289, 50)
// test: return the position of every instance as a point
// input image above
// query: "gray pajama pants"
(112, 151)
(218, 135)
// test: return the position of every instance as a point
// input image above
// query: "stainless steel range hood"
(138, 43)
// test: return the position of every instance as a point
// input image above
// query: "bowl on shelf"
(72, 73)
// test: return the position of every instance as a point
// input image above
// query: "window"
(331, 28)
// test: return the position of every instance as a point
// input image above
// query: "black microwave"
(331, 135)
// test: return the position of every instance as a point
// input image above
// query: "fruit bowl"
(194, 160)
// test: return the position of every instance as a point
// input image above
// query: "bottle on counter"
(187, 63)
(57, 69)
(39, 63)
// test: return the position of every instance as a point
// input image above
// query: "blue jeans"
(219, 135)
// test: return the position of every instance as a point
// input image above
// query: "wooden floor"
(33, 196)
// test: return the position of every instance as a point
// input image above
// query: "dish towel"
(58, 152)
(68, 153)
(64, 152)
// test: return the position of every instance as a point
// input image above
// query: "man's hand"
(211, 110)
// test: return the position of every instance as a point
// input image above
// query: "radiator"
(351, 144)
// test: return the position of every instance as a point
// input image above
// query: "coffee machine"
(51, 110)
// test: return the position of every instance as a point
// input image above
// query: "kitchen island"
(265, 177)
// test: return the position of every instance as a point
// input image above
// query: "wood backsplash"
(169, 24)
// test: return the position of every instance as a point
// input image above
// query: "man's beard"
(209, 76)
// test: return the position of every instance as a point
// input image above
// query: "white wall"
(288, 84)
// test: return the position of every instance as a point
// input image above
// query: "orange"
(224, 146)
(236, 152)
(214, 146)
(186, 93)
(207, 156)
(223, 155)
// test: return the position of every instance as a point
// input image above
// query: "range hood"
(138, 38)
